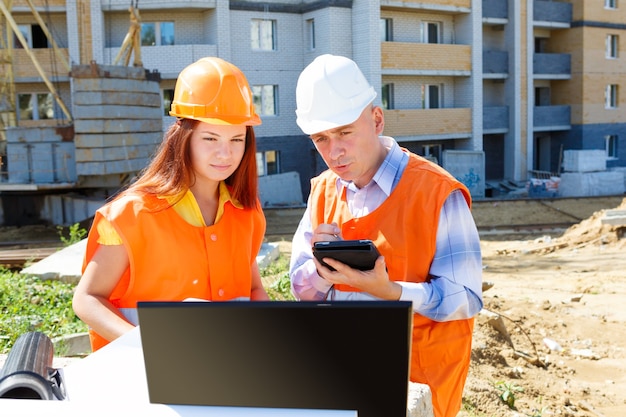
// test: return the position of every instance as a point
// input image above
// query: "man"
(416, 213)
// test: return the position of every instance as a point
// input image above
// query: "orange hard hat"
(214, 91)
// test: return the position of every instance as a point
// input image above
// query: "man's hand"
(374, 282)
(326, 232)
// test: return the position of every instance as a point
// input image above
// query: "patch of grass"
(75, 234)
(30, 304)
(507, 392)
(470, 409)
(275, 279)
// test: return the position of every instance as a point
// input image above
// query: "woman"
(191, 225)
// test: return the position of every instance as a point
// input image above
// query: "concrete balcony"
(159, 57)
(50, 5)
(551, 118)
(552, 14)
(495, 64)
(116, 5)
(495, 9)
(552, 66)
(495, 119)
(434, 123)
(25, 71)
(450, 6)
(402, 58)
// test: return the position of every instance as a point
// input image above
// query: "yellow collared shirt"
(187, 208)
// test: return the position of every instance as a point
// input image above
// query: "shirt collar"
(224, 197)
(386, 173)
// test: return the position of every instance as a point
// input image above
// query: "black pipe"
(28, 371)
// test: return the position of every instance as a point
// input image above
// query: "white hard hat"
(331, 92)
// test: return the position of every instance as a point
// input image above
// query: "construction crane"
(132, 40)
(7, 86)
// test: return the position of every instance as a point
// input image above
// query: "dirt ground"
(556, 342)
(549, 285)
(552, 335)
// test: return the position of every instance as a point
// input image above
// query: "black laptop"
(340, 355)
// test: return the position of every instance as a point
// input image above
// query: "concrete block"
(104, 140)
(588, 184)
(586, 160)
(64, 265)
(108, 112)
(72, 345)
(116, 153)
(95, 98)
(111, 167)
(420, 401)
(614, 218)
(467, 167)
(118, 126)
(269, 253)
(280, 189)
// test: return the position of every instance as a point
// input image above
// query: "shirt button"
(214, 237)
(221, 292)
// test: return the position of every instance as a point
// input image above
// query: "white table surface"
(112, 382)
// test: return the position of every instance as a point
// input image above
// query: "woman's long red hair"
(170, 171)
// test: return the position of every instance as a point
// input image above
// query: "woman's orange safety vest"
(404, 228)
(171, 260)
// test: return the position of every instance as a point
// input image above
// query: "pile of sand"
(592, 231)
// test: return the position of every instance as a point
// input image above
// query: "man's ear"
(379, 119)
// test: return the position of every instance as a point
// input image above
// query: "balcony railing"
(495, 118)
(158, 4)
(437, 5)
(153, 56)
(426, 58)
(56, 4)
(553, 13)
(495, 62)
(23, 66)
(436, 122)
(552, 65)
(495, 9)
(546, 118)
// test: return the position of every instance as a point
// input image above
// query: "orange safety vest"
(404, 228)
(171, 260)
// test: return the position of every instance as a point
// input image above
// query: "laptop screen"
(339, 355)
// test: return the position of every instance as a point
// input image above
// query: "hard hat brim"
(225, 120)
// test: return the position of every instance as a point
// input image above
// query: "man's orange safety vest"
(404, 229)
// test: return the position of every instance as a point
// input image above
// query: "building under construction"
(493, 90)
